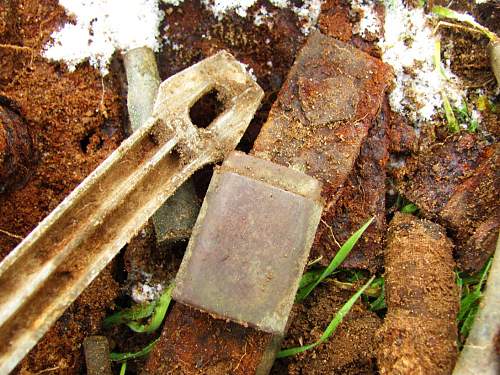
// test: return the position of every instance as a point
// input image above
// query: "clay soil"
(76, 119)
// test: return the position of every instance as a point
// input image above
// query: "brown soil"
(351, 350)
(75, 120)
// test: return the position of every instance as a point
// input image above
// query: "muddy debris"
(419, 334)
(17, 154)
(456, 183)
(350, 351)
(321, 117)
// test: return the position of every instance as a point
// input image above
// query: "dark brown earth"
(351, 350)
(419, 334)
(76, 119)
(193, 342)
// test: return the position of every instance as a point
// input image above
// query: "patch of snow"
(221, 7)
(369, 22)
(174, 3)
(408, 46)
(308, 13)
(101, 27)
(249, 70)
(144, 292)
(261, 16)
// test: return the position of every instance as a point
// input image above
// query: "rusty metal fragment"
(321, 118)
(194, 342)
(456, 183)
(16, 150)
(250, 243)
(51, 267)
(97, 360)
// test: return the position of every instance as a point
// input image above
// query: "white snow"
(308, 13)
(144, 292)
(103, 26)
(408, 46)
(369, 22)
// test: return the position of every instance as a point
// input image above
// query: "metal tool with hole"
(52, 266)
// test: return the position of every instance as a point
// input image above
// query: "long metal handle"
(54, 264)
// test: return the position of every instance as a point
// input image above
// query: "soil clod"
(419, 333)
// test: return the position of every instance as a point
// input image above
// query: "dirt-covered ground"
(74, 120)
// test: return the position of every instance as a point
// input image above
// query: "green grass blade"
(409, 208)
(309, 277)
(118, 357)
(331, 327)
(466, 18)
(379, 303)
(158, 314)
(126, 315)
(469, 319)
(123, 369)
(336, 261)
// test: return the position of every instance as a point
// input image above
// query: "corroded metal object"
(318, 124)
(241, 270)
(46, 272)
(16, 150)
(97, 360)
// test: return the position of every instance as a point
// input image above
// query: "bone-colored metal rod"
(176, 218)
(68, 249)
(479, 355)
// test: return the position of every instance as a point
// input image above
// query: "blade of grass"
(379, 303)
(118, 357)
(409, 208)
(310, 277)
(123, 369)
(466, 18)
(448, 110)
(126, 315)
(467, 302)
(158, 313)
(336, 261)
(331, 327)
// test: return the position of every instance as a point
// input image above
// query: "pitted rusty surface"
(250, 243)
(16, 150)
(193, 342)
(361, 197)
(317, 125)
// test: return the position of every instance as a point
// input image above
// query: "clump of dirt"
(419, 334)
(350, 350)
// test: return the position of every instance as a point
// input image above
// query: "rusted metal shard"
(320, 120)
(67, 250)
(97, 360)
(250, 243)
(194, 342)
